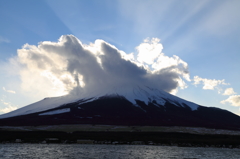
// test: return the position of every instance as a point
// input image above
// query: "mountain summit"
(122, 106)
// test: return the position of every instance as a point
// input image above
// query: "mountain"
(121, 106)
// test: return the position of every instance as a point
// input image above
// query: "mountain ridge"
(135, 93)
(138, 106)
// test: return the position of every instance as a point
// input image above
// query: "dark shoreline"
(138, 138)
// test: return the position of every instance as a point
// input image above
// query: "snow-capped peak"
(144, 94)
(132, 94)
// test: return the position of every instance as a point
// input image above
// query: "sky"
(189, 48)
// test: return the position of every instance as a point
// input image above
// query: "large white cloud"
(149, 50)
(57, 68)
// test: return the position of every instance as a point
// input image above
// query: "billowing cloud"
(229, 91)
(9, 91)
(150, 53)
(208, 83)
(57, 68)
(149, 50)
(234, 100)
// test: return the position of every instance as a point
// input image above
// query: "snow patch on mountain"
(58, 111)
(43, 105)
(144, 94)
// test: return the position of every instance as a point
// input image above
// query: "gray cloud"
(70, 66)
(165, 79)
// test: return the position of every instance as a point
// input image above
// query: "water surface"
(72, 151)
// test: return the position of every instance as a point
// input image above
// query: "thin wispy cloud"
(208, 83)
(4, 40)
(9, 107)
(223, 19)
(9, 91)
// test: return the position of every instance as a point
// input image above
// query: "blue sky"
(204, 34)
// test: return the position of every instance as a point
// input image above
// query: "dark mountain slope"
(117, 110)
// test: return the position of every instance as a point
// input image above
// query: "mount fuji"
(138, 105)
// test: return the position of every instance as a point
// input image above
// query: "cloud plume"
(57, 68)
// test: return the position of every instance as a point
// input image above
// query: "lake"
(72, 151)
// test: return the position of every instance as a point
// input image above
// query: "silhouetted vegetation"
(156, 138)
